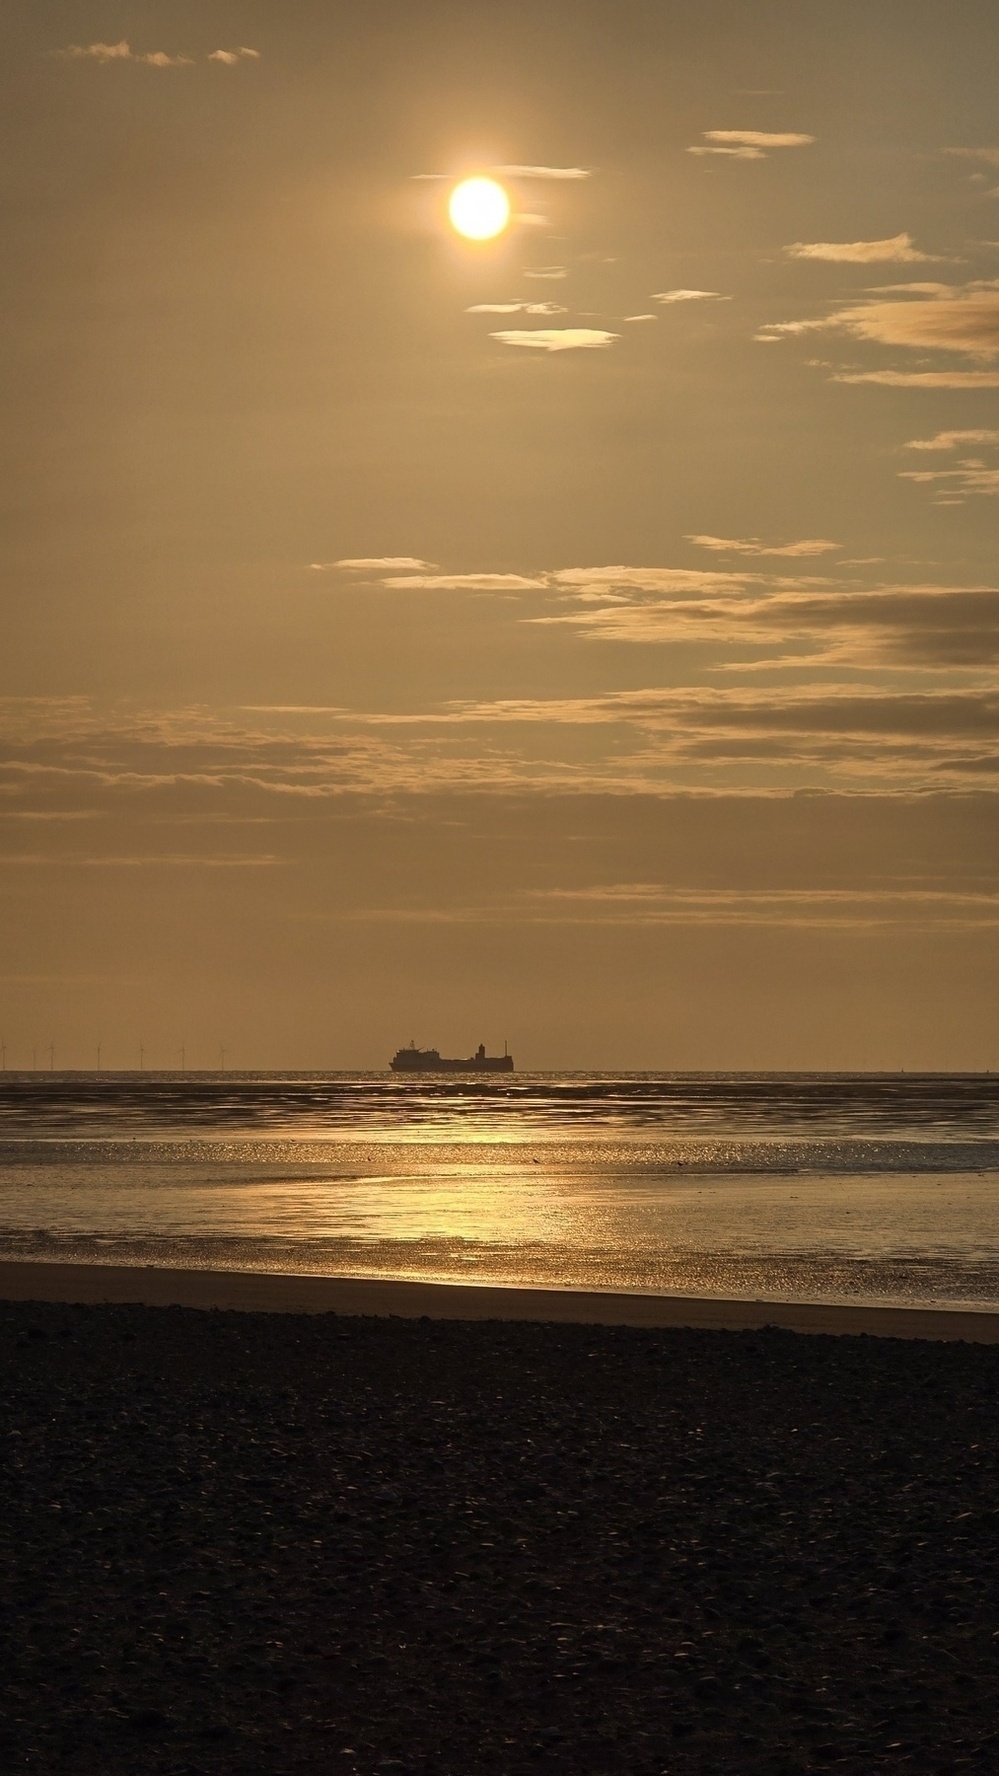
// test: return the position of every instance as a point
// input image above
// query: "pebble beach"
(241, 1542)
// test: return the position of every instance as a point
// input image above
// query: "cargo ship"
(427, 1060)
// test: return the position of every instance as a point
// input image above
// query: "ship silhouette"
(428, 1060)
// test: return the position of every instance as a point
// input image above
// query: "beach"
(263, 1292)
(261, 1541)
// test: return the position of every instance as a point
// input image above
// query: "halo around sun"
(479, 209)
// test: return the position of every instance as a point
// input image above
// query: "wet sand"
(270, 1293)
(268, 1544)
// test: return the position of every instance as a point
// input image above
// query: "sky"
(584, 639)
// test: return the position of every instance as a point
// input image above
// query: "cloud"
(97, 52)
(472, 582)
(925, 627)
(149, 769)
(732, 153)
(557, 339)
(971, 477)
(157, 58)
(604, 582)
(963, 321)
(371, 563)
(833, 710)
(631, 318)
(749, 144)
(542, 172)
(759, 138)
(657, 903)
(504, 308)
(122, 52)
(989, 155)
(668, 296)
(231, 57)
(950, 379)
(832, 734)
(899, 249)
(516, 172)
(753, 546)
(951, 440)
(930, 317)
(551, 273)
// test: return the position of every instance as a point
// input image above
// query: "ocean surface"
(808, 1187)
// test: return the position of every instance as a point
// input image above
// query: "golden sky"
(586, 636)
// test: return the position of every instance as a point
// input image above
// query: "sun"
(479, 209)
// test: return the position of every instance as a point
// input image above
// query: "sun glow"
(479, 209)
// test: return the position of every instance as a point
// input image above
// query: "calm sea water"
(835, 1187)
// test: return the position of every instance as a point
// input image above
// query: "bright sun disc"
(479, 208)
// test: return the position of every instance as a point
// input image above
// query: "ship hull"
(410, 1060)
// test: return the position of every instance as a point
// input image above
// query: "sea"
(850, 1188)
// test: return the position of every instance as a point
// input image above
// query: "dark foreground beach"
(263, 1542)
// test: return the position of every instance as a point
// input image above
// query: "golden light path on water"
(808, 1187)
(644, 1216)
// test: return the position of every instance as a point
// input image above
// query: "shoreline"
(284, 1293)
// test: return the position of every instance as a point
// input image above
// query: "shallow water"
(879, 1188)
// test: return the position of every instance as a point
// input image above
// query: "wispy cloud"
(753, 546)
(925, 627)
(505, 308)
(547, 273)
(96, 52)
(659, 903)
(122, 52)
(230, 58)
(557, 339)
(899, 249)
(748, 144)
(951, 485)
(730, 153)
(606, 582)
(937, 379)
(541, 172)
(971, 476)
(953, 440)
(928, 317)
(178, 767)
(371, 564)
(471, 582)
(630, 319)
(669, 296)
(514, 172)
(989, 155)
(846, 730)
(157, 58)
